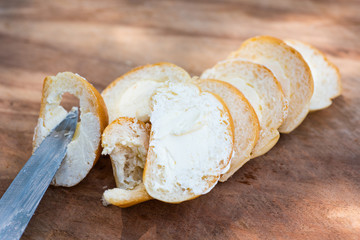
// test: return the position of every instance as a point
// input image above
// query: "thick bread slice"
(84, 150)
(191, 143)
(327, 80)
(126, 140)
(246, 123)
(129, 95)
(264, 93)
(289, 68)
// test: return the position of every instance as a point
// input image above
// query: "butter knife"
(21, 199)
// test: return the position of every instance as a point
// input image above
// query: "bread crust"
(97, 102)
(288, 125)
(127, 198)
(160, 64)
(134, 196)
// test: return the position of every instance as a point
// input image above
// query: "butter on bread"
(326, 76)
(129, 95)
(246, 123)
(191, 142)
(264, 93)
(85, 148)
(126, 141)
(289, 68)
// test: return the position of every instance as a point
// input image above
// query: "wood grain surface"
(306, 187)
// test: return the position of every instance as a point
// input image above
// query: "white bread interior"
(289, 68)
(129, 95)
(84, 149)
(326, 76)
(191, 143)
(264, 93)
(246, 123)
(126, 140)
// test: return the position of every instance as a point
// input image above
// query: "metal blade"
(21, 199)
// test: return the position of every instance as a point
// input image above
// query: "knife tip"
(70, 121)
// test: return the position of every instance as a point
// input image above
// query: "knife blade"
(21, 199)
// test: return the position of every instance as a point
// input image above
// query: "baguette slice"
(126, 140)
(191, 143)
(327, 80)
(264, 93)
(246, 123)
(129, 95)
(289, 68)
(85, 148)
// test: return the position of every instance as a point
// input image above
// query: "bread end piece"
(126, 141)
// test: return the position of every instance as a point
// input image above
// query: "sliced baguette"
(85, 148)
(264, 93)
(126, 140)
(246, 123)
(289, 68)
(327, 80)
(129, 95)
(191, 143)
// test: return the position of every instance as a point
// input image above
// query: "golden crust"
(161, 64)
(135, 196)
(287, 126)
(130, 203)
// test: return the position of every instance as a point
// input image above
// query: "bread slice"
(129, 95)
(289, 68)
(264, 93)
(327, 80)
(246, 123)
(85, 148)
(126, 140)
(191, 142)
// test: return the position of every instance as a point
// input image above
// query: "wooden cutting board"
(306, 187)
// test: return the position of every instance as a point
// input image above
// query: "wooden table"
(306, 187)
